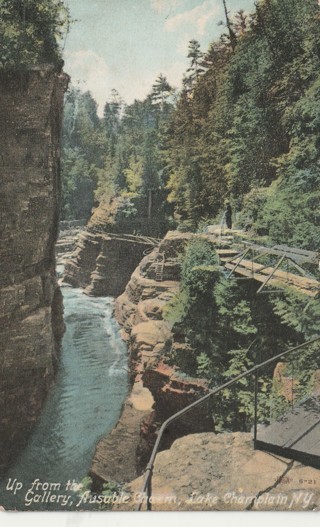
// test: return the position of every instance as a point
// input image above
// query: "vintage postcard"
(160, 264)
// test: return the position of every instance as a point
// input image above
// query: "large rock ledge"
(208, 472)
(117, 456)
(31, 309)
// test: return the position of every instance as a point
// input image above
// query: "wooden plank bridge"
(275, 266)
(280, 266)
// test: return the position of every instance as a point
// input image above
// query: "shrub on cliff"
(30, 32)
(199, 252)
(209, 312)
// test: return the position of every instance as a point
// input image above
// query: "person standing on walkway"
(228, 215)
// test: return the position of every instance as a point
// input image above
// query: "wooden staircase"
(159, 268)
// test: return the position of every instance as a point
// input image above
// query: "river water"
(83, 405)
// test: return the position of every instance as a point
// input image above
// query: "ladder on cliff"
(160, 268)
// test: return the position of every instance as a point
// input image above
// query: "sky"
(125, 44)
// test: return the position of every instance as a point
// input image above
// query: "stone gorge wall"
(158, 390)
(102, 263)
(31, 323)
(109, 249)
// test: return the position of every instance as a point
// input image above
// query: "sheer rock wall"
(31, 323)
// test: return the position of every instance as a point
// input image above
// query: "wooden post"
(149, 203)
(255, 427)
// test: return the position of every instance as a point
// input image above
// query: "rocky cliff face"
(108, 250)
(158, 391)
(68, 234)
(102, 263)
(31, 322)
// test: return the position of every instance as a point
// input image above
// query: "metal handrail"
(124, 236)
(147, 488)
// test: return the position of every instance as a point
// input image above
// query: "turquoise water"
(83, 405)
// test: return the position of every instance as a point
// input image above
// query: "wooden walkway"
(295, 435)
(245, 264)
(260, 273)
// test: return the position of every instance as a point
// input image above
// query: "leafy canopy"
(32, 32)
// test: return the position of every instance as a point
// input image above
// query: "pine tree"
(197, 67)
(112, 119)
(161, 91)
(232, 35)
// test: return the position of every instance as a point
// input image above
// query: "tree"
(161, 90)
(32, 32)
(77, 185)
(241, 23)
(112, 120)
(232, 35)
(135, 169)
(196, 64)
(112, 112)
(83, 153)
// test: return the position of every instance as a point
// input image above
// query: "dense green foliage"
(31, 32)
(208, 313)
(245, 127)
(225, 328)
(133, 167)
(249, 127)
(116, 155)
(83, 154)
